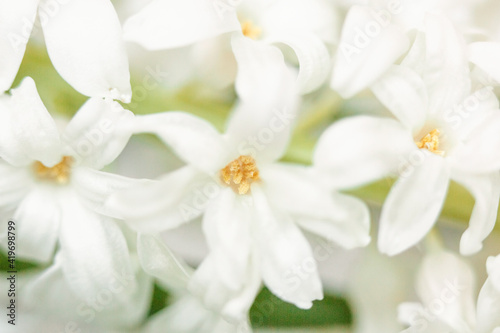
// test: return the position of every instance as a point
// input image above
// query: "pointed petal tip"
(468, 246)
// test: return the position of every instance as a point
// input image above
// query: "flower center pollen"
(250, 30)
(240, 173)
(431, 142)
(59, 173)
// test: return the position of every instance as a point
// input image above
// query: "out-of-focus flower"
(443, 131)
(446, 287)
(253, 204)
(303, 25)
(376, 34)
(83, 38)
(52, 188)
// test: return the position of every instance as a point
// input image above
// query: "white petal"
(98, 132)
(119, 302)
(209, 285)
(167, 24)
(95, 187)
(446, 277)
(226, 225)
(193, 139)
(27, 131)
(261, 124)
(316, 17)
(358, 150)
(366, 51)
(486, 192)
(413, 204)
(260, 67)
(488, 307)
(493, 268)
(480, 151)
(403, 92)
(16, 22)
(228, 279)
(15, 183)
(158, 261)
(37, 222)
(84, 42)
(313, 57)
(153, 206)
(94, 250)
(188, 315)
(339, 218)
(288, 266)
(445, 70)
(472, 111)
(485, 55)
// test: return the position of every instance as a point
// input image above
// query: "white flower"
(443, 131)
(377, 33)
(83, 38)
(446, 286)
(51, 186)
(186, 314)
(46, 302)
(253, 205)
(303, 25)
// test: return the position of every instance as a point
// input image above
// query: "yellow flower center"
(250, 30)
(59, 173)
(431, 142)
(240, 173)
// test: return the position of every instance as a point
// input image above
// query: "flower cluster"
(294, 128)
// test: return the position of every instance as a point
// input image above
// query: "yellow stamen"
(250, 30)
(431, 142)
(59, 173)
(240, 174)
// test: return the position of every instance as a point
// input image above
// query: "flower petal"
(226, 225)
(261, 123)
(446, 277)
(339, 218)
(193, 139)
(98, 132)
(312, 55)
(95, 187)
(94, 250)
(167, 24)
(486, 191)
(347, 154)
(228, 279)
(76, 36)
(27, 131)
(15, 184)
(16, 23)
(288, 266)
(209, 285)
(301, 16)
(50, 295)
(488, 307)
(413, 204)
(37, 222)
(485, 55)
(158, 261)
(365, 54)
(154, 206)
(445, 70)
(188, 315)
(403, 92)
(480, 150)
